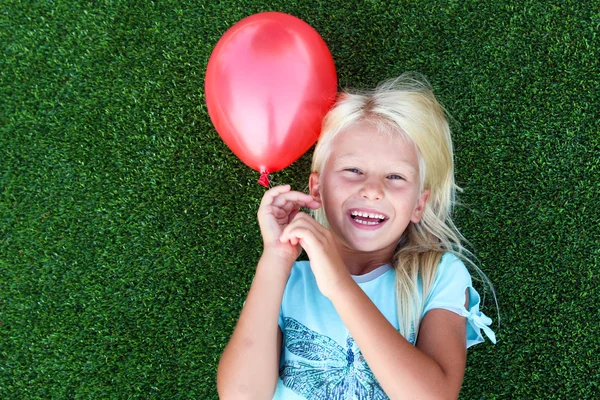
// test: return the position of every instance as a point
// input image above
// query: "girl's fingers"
(280, 213)
(293, 200)
(302, 227)
(304, 219)
(272, 193)
(280, 197)
(284, 215)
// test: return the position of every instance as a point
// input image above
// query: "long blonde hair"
(407, 106)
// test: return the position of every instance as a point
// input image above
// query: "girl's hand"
(319, 244)
(277, 209)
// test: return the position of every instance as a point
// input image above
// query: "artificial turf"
(128, 236)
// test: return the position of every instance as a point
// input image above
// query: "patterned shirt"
(319, 358)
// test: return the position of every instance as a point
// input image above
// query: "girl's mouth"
(367, 218)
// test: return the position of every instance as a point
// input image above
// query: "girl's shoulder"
(452, 269)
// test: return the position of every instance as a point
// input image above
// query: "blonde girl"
(385, 307)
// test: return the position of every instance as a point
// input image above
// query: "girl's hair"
(406, 106)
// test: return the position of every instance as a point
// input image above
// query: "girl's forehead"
(368, 134)
(367, 143)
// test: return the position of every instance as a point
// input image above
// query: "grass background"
(128, 237)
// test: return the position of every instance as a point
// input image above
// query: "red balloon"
(269, 82)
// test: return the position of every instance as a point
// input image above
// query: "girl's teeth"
(364, 214)
(360, 221)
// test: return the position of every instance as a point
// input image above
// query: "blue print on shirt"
(327, 371)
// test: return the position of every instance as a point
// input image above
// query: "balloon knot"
(264, 180)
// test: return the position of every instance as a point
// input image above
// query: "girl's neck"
(360, 263)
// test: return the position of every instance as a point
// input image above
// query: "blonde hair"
(407, 106)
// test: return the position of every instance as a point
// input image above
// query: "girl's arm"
(433, 369)
(249, 366)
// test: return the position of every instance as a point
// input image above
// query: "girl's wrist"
(275, 262)
(278, 254)
(337, 287)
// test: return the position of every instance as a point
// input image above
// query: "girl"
(385, 307)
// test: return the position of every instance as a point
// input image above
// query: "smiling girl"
(384, 308)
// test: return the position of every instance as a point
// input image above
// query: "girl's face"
(370, 188)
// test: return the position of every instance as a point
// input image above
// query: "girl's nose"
(371, 191)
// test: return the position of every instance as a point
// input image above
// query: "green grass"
(128, 236)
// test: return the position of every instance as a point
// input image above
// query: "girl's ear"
(314, 187)
(420, 208)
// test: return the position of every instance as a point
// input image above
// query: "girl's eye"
(353, 170)
(395, 177)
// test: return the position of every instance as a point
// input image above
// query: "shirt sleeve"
(451, 283)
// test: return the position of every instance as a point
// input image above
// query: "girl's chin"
(365, 240)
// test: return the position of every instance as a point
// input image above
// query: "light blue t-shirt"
(319, 359)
